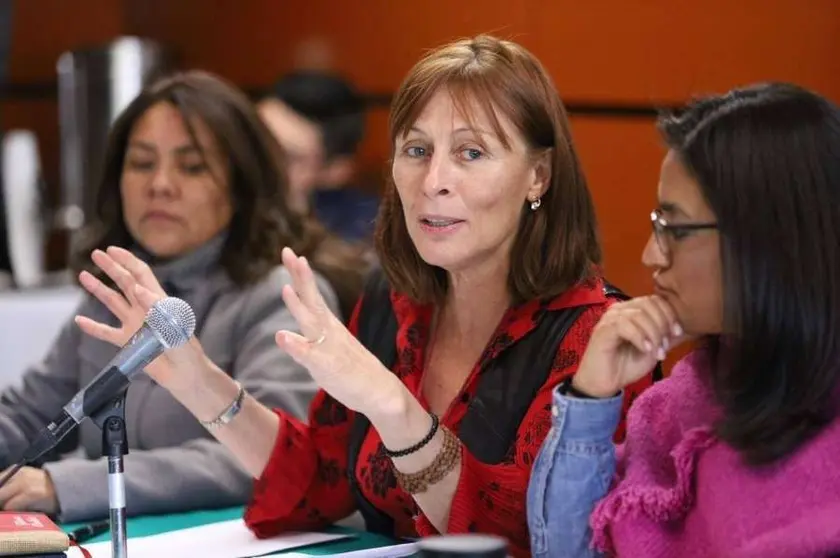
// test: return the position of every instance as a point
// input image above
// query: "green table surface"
(157, 524)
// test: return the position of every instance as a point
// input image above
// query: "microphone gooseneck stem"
(115, 446)
(116, 504)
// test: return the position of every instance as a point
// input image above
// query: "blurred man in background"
(319, 119)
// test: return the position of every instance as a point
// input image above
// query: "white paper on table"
(395, 551)
(226, 539)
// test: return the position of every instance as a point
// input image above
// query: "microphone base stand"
(111, 420)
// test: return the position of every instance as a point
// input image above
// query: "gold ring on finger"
(319, 340)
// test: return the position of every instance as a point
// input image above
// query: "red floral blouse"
(304, 485)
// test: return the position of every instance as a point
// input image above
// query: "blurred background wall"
(614, 62)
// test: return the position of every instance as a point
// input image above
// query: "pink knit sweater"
(681, 492)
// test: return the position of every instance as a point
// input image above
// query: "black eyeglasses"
(662, 230)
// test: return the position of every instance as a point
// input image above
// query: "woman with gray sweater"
(194, 184)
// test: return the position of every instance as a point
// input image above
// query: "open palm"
(139, 290)
(335, 359)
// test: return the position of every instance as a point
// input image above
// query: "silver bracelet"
(228, 414)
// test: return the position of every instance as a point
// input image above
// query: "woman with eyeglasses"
(736, 453)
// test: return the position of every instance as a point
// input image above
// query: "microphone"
(169, 323)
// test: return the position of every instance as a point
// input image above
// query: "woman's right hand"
(140, 290)
(626, 345)
(125, 306)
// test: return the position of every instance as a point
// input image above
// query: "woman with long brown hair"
(194, 187)
(435, 401)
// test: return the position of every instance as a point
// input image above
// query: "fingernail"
(660, 354)
(648, 346)
(678, 331)
(665, 344)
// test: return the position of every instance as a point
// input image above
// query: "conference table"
(143, 526)
(29, 322)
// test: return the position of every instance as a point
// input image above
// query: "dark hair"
(556, 246)
(767, 159)
(262, 222)
(329, 101)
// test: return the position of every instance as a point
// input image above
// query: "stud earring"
(535, 205)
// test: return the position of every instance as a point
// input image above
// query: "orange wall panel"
(613, 51)
(621, 161)
(43, 29)
(668, 50)
(610, 50)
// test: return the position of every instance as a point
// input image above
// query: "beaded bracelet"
(428, 438)
(444, 462)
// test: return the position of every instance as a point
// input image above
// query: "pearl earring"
(535, 205)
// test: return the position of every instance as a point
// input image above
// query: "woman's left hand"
(337, 361)
(30, 489)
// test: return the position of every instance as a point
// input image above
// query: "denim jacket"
(572, 472)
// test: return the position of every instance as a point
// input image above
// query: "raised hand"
(626, 344)
(140, 290)
(337, 361)
(126, 271)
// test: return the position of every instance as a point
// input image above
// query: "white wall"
(29, 323)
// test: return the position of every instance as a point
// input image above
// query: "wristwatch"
(228, 414)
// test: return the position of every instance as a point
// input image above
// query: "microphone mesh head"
(172, 320)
